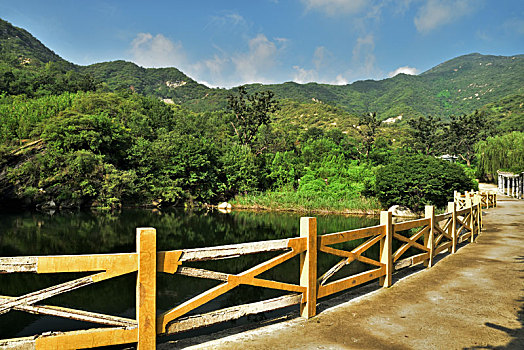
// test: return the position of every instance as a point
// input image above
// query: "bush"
(415, 181)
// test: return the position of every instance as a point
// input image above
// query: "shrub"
(415, 181)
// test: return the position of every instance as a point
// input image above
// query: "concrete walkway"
(470, 300)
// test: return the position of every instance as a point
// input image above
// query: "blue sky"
(228, 43)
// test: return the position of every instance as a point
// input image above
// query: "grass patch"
(296, 201)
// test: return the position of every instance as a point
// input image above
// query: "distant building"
(511, 184)
(448, 157)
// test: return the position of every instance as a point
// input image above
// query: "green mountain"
(458, 86)
(507, 113)
(19, 48)
(165, 83)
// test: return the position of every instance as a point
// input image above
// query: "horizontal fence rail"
(416, 241)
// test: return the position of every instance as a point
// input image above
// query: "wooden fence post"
(452, 208)
(429, 238)
(308, 267)
(386, 248)
(471, 222)
(146, 288)
(479, 213)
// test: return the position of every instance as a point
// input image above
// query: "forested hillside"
(114, 133)
(458, 86)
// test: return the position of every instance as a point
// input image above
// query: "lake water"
(94, 233)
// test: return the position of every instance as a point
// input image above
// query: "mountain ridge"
(457, 86)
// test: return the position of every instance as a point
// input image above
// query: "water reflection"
(91, 233)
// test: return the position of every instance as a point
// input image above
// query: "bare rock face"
(402, 211)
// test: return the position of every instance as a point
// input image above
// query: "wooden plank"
(201, 273)
(446, 224)
(298, 244)
(24, 343)
(463, 211)
(258, 282)
(368, 244)
(429, 239)
(462, 222)
(169, 261)
(471, 221)
(410, 242)
(464, 237)
(453, 228)
(166, 317)
(349, 255)
(323, 279)
(442, 217)
(18, 264)
(85, 339)
(386, 249)
(264, 266)
(233, 250)
(351, 281)
(69, 263)
(339, 252)
(232, 313)
(412, 260)
(73, 314)
(233, 281)
(83, 263)
(442, 235)
(354, 254)
(146, 288)
(406, 225)
(340, 237)
(308, 267)
(34, 297)
(443, 247)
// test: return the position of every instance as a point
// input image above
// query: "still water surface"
(96, 233)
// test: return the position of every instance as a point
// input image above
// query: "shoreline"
(360, 212)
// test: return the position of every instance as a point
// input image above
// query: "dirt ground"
(470, 300)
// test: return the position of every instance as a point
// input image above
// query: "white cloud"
(363, 54)
(436, 13)
(337, 7)
(303, 76)
(339, 80)
(319, 57)
(216, 65)
(261, 57)
(256, 64)
(402, 6)
(405, 70)
(156, 51)
(228, 19)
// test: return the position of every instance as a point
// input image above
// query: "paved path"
(470, 300)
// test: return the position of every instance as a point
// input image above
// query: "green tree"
(463, 132)
(415, 181)
(503, 152)
(427, 134)
(367, 127)
(251, 112)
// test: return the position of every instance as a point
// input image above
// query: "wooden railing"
(416, 241)
(488, 198)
